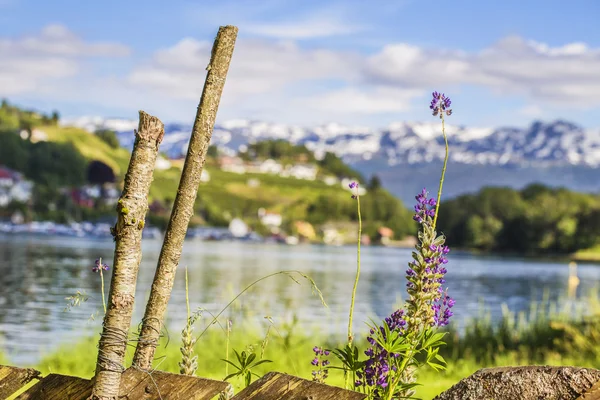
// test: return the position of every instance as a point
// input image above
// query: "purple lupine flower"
(98, 264)
(442, 311)
(426, 273)
(440, 104)
(320, 374)
(376, 366)
(354, 185)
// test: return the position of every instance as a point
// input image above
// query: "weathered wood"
(59, 387)
(135, 384)
(278, 386)
(524, 383)
(146, 385)
(131, 213)
(12, 379)
(592, 393)
(185, 199)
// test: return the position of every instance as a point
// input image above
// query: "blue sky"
(307, 62)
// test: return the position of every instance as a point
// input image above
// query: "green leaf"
(231, 376)
(230, 363)
(261, 362)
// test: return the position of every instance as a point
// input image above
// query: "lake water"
(37, 273)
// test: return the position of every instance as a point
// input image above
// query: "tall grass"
(546, 334)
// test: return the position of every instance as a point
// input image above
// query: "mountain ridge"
(553, 143)
(408, 155)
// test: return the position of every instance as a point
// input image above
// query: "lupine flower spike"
(440, 104)
(99, 266)
(320, 374)
(354, 186)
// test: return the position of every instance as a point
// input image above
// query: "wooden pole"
(183, 206)
(131, 212)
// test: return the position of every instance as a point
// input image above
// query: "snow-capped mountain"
(407, 155)
(553, 143)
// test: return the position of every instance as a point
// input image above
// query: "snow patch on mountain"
(542, 143)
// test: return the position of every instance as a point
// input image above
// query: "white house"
(302, 171)
(238, 228)
(330, 180)
(22, 191)
(232, 164)
(270, 166)
(162, 163)
(268, 218)
(205, 176)
(7, 177)
(4, 198)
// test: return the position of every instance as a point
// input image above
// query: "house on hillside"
(270, 166)
(330, 180)
(7, 177)
(385, 235)
(21, 191)
(232, 164)
(110, 193)
(269, 219)
(301, 171)
(13, 187)
(204, 176)
(81, 199)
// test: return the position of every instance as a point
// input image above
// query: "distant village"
(15, 188)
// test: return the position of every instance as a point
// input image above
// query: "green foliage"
(246, 361)
(335, 166)
(277, 149)
(109, 137)
(46, 163)
(537, 219)
(56, 164)
(13, 117)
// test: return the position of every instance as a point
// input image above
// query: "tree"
(55, 117)
(374, 183)
(109, 137)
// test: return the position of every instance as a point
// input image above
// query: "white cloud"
(32, 62)
(567, 75)
(283, 79)
(257, 67)
(366, 101)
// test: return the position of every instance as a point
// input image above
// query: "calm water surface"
(36, 274)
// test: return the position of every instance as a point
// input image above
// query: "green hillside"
(55, 157)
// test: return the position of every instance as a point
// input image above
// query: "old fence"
(508, 383)
(157, 385)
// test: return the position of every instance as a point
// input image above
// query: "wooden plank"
(278, 386)
(13, 379)
(592, 393)
(156, 385)
(59, 387)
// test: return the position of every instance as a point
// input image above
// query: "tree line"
(535, 220)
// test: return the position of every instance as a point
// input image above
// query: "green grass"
(591, 254)
(90, 146)
(545, 335)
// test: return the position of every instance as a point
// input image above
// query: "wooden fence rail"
(507, 383)
(157, 385)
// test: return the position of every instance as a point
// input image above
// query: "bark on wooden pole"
(131, 213)
(526, 383)
(183, 206)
